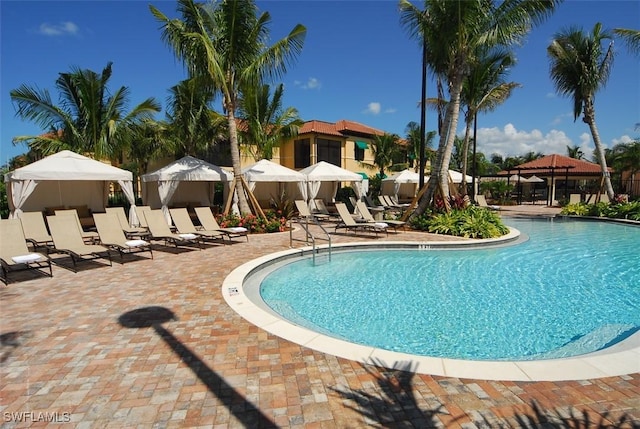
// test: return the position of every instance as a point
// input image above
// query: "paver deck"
(152, 344)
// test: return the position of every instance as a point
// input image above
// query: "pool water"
(572, 288)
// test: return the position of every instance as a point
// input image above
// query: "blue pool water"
(572, 288)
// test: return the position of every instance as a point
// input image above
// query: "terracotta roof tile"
(558, 162)
(340, 128)
(319, 127)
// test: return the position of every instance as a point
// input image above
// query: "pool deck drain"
(67, 348)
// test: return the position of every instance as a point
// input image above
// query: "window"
(329, 151)
(302, 153)
(359, 148)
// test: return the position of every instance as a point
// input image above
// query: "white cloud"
(373, 108)
(390, 110)
(510, 141)
(62, 29)
(623, 139)
(312, 83)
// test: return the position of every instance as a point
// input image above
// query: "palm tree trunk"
(590, 119)
(243, 205)
(465, 153)
(439, 179)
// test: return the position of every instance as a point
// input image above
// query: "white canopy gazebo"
(186, 180)
(324, 172)
(267, 179)
(66, 179)
(401, 184)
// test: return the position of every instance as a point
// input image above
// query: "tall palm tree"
(192, 125)
(226, 41)
(580, 67)
(626, 157)
(265, 123)
(484, 89)
(88, 119)
(453, 31)
(383, 148)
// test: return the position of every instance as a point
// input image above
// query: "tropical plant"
(470, 222)
(412, 134)
(575, 152)
(88, 119)
(630, 37)
(191, 125)
(383, 148)
(225, 42)
(265, 123)
(484, 89)
(452, 32)
(579, 68)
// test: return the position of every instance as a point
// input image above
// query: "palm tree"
(226, 42)
(383, 147)
(192, 125)
(484, 90)
(630, 37)
(412, 134)
(575, 152)
(579, 68)
(265, 123)
(88, 119)
(626, 157)
(453, 32)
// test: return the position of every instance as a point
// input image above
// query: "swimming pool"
(570, 290)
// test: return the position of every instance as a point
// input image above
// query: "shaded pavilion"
(562, 175)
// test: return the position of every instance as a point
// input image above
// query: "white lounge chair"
(209, 223)
(482, 202)
(349, 223)
(14, 253)
(68, 240)
(184, 225)
(112, 236)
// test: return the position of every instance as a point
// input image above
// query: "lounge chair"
(88, 236)
(305, 212)
(112, 236)
(482, 202)
(129, 231)
(159, 230)
(321, 208)
(35, 230)
(184, 225)
(14, 253)
(209, 223)
(140, 211)
(362, 208)
(348, 222)
(68, 240)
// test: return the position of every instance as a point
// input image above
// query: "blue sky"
(357, 64)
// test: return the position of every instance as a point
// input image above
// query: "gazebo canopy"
(267, 179)
(65, 178)
(328, 173)
(189, 178)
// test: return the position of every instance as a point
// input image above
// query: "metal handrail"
(309, 235)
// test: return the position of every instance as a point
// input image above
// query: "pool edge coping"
(620, 359)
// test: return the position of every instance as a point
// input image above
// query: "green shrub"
(470, 222)
(577, 209)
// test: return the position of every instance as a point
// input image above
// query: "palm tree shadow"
(396, 400)
(572, 419)
(243, 410)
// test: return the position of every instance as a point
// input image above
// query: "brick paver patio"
(152, 344)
